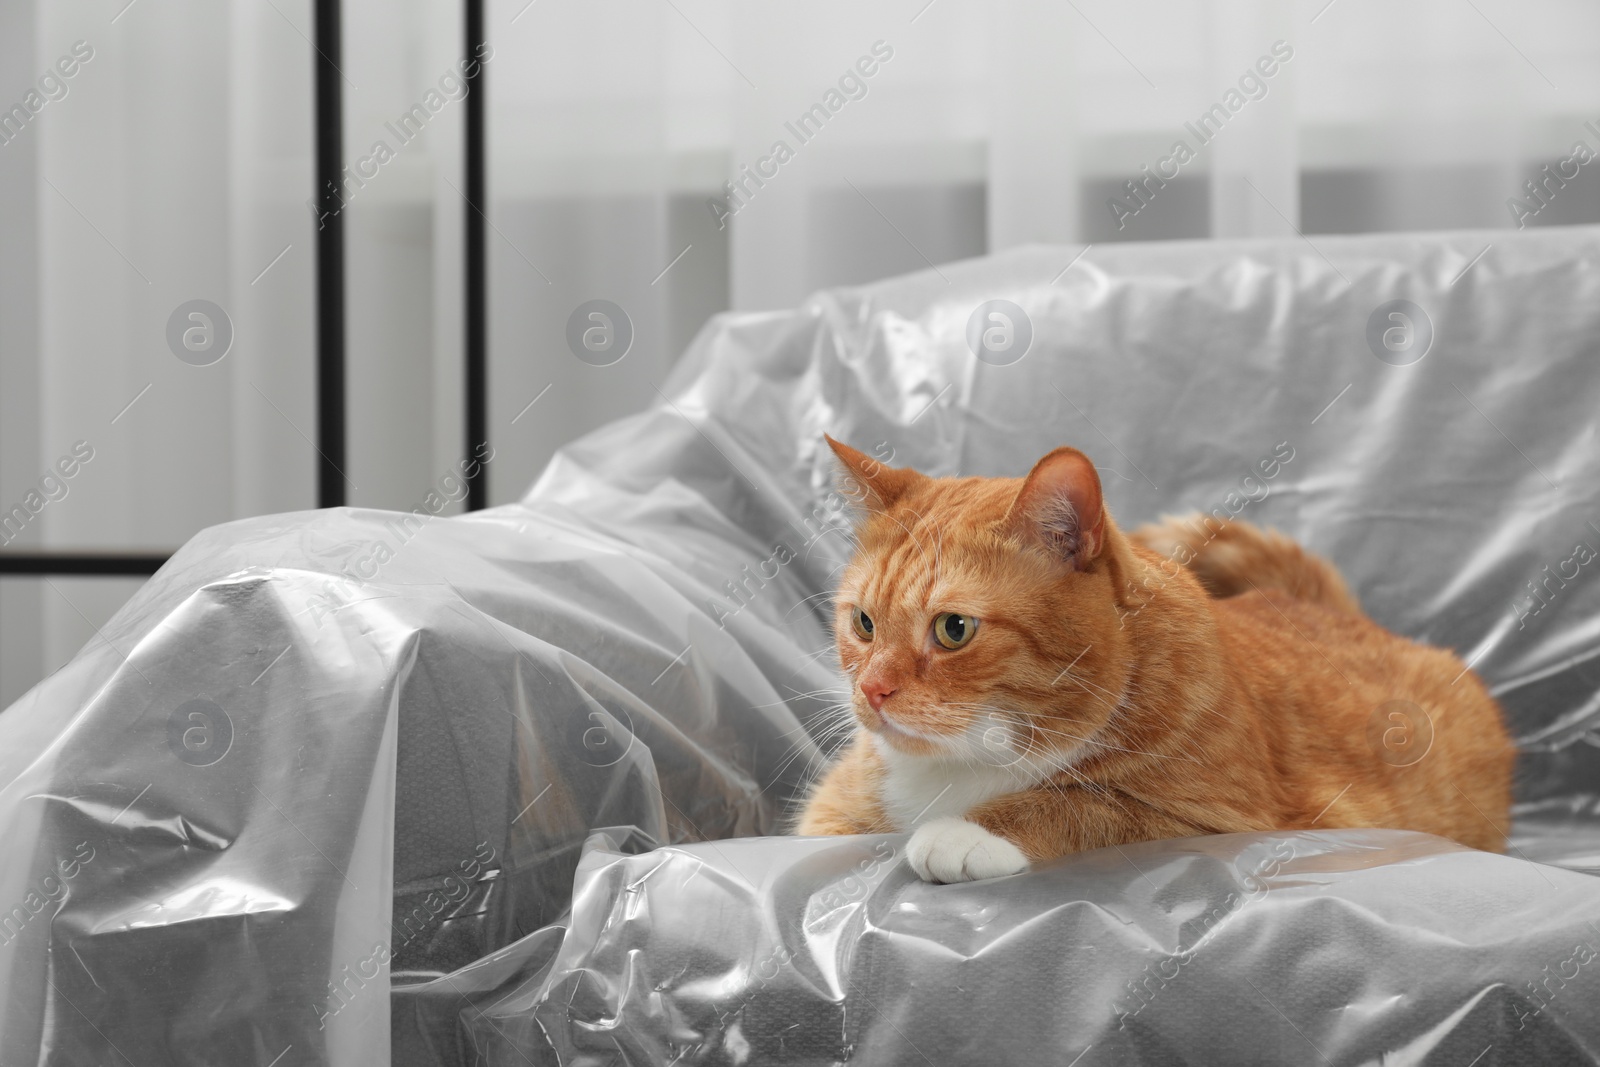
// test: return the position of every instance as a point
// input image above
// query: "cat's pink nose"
(876, 692)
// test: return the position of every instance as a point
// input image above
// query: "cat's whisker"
(1107, 744)
(806, 600)
(1094, 687)
(829, 709)
(797, 696)
(819, 720)
(819, 653)
(837, 690)
(815, 766)
(795, 748)
(816, 744)
(806, 557)
(815, 748)
(938, 554)
(1088, 685)
(998, 709)
(819, 753)
(1110, 701)
(827, 717)
(909, 532)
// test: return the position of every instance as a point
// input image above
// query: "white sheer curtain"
(992, 124)
(173, 167)
(178, 164)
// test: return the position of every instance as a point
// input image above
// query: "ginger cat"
(1029, 681)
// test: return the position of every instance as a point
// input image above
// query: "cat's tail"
(1235, 557)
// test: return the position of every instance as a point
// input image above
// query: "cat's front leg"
(1056, 819)
(1004, 835)
(958, 850)
(846, 801)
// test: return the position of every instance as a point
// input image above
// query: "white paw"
(956, 850)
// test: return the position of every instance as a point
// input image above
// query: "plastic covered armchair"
(346, 787)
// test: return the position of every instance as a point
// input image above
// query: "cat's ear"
(870, 482)
(1060, 507)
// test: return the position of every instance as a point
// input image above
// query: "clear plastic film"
(345, 786)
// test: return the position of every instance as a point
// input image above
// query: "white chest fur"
(919, 788)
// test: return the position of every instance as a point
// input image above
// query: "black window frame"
(332, 401)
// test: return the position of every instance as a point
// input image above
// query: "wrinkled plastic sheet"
(343, 787)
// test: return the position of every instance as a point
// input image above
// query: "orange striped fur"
(1105, 696)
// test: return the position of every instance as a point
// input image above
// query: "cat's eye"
(862, 623)
(952, 630)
